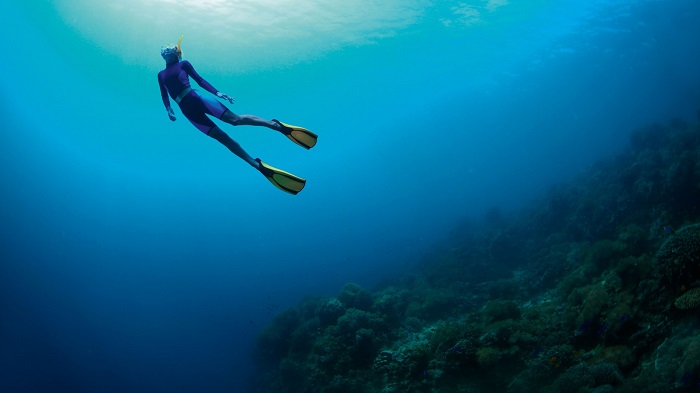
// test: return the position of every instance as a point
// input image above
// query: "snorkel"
(179, 47)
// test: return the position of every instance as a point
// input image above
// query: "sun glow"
(242, 35)
(254, 32)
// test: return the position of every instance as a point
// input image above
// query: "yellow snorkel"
(179, 46)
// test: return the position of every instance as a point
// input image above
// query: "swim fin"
(299, 135)
(285, 181)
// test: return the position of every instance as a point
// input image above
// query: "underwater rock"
(689, 300)
(674, 364)
(354, 296)
(578, 376)
(498, 310)
(353, 320)
(392, 305)
(678, 258)
(329, 312)
(603, 389)
(274, 341)
(488, 356)
(582, 375)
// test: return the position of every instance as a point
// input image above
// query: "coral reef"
(588, 290)
(678, 258)
(330, 310)
(688, 300)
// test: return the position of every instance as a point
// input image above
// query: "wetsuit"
(174, 80)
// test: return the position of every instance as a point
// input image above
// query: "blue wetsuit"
(174, 80)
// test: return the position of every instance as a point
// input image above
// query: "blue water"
(139, 255)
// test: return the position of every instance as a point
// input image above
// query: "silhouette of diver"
(174, 81)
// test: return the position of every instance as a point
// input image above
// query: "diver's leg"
(235, 148)
(248, 120)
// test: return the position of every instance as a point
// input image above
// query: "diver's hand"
(225, 97)
(171, 114)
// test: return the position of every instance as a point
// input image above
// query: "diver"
(174, 80)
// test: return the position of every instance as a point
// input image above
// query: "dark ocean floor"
(595, 287)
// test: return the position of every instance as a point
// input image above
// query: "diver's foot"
(261, 168)
(299, 135)
(275, 125)
(283, 180)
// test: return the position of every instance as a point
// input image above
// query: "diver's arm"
(163, 92)
(187, 66)
(166, 99)
(171, 113)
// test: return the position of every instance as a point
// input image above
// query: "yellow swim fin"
(299, 135)
(283, 180)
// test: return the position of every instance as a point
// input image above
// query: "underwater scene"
(405, 196)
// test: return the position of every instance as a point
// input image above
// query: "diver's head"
(172, 53)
